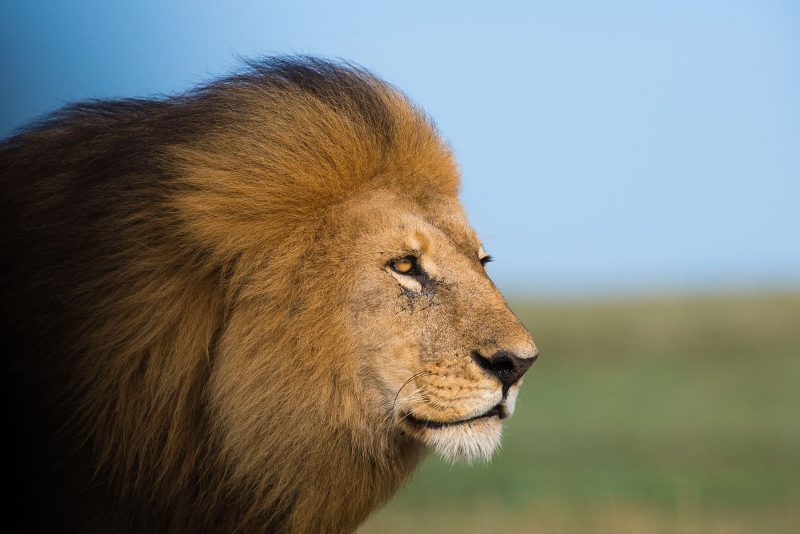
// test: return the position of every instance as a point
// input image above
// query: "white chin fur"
(467, 442)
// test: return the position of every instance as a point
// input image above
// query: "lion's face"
(440, 355)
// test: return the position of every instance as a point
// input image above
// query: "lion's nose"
(507, 367)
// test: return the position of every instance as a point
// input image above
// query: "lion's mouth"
(498, 410)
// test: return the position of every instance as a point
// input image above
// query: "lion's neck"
(351, 485)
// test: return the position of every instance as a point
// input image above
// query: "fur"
(200, 316)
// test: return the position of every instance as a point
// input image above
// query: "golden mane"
(145, 238)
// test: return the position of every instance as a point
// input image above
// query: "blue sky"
(606, 147)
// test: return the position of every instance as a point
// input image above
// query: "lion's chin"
(466, 442)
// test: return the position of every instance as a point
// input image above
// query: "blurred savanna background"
(633, 167)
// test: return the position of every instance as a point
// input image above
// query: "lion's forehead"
(437, 228)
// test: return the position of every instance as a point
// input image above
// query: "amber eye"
(407, 265)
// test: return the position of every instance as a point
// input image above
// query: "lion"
(250, 307)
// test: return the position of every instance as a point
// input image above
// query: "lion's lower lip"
(497, 411)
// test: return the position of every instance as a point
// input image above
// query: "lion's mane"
(147, 244)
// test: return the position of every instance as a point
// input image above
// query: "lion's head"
(264, 294)
(441, 355)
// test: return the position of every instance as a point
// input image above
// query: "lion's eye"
(486, 259)
(407, 265)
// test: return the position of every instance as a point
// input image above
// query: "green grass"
(663, 415)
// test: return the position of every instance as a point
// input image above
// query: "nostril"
(482, 361)
(504, 365)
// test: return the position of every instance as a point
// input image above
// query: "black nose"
(504, 365)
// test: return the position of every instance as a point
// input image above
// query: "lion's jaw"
(474, 438)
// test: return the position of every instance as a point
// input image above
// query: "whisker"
(413, 396)
(405, 384)
(417, 394)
